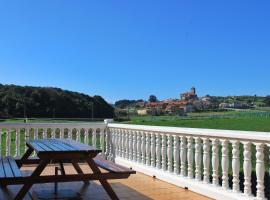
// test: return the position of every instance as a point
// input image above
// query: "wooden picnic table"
(66, 151)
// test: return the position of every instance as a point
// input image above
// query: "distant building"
(191, 95)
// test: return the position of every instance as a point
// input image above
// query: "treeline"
(19, 101)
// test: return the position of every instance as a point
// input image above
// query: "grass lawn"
(239, 123)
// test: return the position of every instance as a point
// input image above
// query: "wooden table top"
(51, 146)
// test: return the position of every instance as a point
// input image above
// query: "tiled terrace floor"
(136, 187)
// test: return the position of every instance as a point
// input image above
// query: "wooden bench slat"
(2, 171)
(7, 168)
(15, 169)
(111, 166)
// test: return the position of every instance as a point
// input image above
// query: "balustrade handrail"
(54, 125)
(201, 132)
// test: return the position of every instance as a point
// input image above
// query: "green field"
(247, 121)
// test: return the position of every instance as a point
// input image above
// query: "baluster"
(235, 165)
(44, 133)
(26, 138)
(153, 150)
(35, 133)
(17, 140)
(247, 168)
(122, 143)
(69, 133)
(134, 146)
(111, 143)
(198, 159)
(169, 154)
(8, 140)
(190, 157)
(183, 155)
(126, 144)
(130, 146)
(215, 161)
(143, 142)
(107, 143)
(78, 135)
(163, 153)
(61, 133)
(206, 160)
(94, 137)
(148, 161)
(53, 133)
(102, 141)
(117, 142)
(85, 136)
(139, 147)
(260, 170)
(225, 164)
(176, 154)
(158, 151)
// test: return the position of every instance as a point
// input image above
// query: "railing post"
(148, 161)
(206, 160)
(122, 133)
(260, 170)
(163, 153)
(176, 148)
(17, 139)
(102, 141)
(198, 159)
(134, 146)
(235, 165)
(158, 151)
(225, 164)
(215, 161)
(8, 140)
(247, 168)
(143, 147)
(190, 157)
(130, 145)
(183, 155)
(153, 150)
(169, 153)
(139, 159)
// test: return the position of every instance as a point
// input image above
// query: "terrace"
(218, 164)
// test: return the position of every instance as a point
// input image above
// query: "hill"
(15, 101)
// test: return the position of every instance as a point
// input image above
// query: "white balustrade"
(169, 153)
(174, 154)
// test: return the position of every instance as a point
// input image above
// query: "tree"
(267, 100)
(152, 98)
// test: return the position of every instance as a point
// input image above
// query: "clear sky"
(133, 48)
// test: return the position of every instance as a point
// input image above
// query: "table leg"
(25, 156)
(78, 169)
(27, 186)
(103, 182)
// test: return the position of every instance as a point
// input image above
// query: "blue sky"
(131, 49)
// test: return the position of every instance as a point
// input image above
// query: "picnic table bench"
(60, 151)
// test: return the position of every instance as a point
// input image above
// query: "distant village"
(187, 102)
